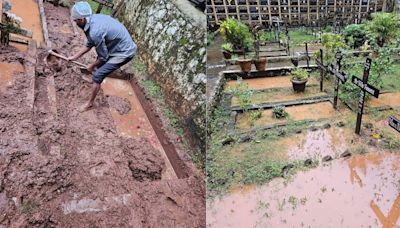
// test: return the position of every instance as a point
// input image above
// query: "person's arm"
(79, 54)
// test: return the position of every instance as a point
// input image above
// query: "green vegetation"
(138, 65)
(331, 44)
(227, 47)
(152, 88)
(242, 92)
(95, 5)
(355, 35)
(299, 74)
(237, 33)
(279, 112)
(384, 26)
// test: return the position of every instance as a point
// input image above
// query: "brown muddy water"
(363, 191)
(268, 82)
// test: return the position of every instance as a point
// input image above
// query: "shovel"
(83, 67)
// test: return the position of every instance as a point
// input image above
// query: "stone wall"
(171, 38)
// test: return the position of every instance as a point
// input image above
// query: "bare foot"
(87, 79)
(85, 107)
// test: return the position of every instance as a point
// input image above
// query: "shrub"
(384, 26)
(356, 35)
(237, 33)
(299, 74)
(279, 112)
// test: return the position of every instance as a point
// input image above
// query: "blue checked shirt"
(112, 40)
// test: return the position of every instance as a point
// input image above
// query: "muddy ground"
(63, 168)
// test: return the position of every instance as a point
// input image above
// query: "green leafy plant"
(355, 35)
(242, 92)
(299, 74)
(279, 112)
(384, 26)
(331, 43)
(237, 33)
(227, 47)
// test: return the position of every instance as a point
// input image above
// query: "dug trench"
(63, 168)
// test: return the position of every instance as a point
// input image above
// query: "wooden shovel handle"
(65, 58)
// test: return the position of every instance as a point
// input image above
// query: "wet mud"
(63, 168)
(121, 105)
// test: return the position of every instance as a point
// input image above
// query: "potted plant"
(299, 79)
(245, 64)
(227, 49)
(260, 63)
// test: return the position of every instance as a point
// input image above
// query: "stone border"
(30, 71)
(44, 24)
(271, 72)
(289, 103)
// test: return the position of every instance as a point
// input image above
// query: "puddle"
(317, 144)
(302, 112)
(6, 74)
(28, 10)
(135, 123)
(269, 82)
(91, 205)
(282, 95)
(327, 196)
(386, 99)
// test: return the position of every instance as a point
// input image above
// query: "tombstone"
(394, 123)
(365, 87)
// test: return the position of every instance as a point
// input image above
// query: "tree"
(384, 26)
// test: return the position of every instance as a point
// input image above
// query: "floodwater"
(135, 123)
(282, 95)
(28, 10)
(315, 111)
(269, 82)
(6, 74)
(386, 99)
(363, 191)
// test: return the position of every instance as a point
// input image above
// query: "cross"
(340, 76)
(391, 219)
(322, 67)
(365, 87)
(106, 3)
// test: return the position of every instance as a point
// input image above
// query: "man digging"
(113, 43)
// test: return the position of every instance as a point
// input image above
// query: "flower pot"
(245, 64)
(260, 64)
(299, 86)
(227, 55)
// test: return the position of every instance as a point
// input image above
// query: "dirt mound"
(122, 105)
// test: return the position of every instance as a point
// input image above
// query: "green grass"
(299, 36)
(152, 88)
(138, 65)
(104, 10)
(391, 80)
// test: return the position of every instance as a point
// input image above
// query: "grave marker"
(340, 76)
(365, 87)
(394, 123)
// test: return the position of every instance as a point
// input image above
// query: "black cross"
(394, 123)
(322, 67)
(365, 87)
(340, 76)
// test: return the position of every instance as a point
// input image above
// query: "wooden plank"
(248, 11)
(259, 12)
(226, 9)
(290, 11)
(237, 10)
(269, 12)
(214, 11)
(308, 12)
(31, 73)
